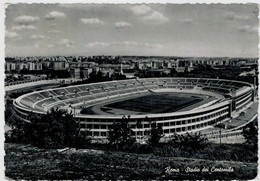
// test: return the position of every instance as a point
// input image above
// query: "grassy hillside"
(26, 162)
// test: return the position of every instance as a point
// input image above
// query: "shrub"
(145, 149)
(82, 140)
(189, 142)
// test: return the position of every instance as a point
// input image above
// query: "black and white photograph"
(141, 91)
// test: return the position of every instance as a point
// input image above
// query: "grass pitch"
(156, 103)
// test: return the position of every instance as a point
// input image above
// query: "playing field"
(154, 103)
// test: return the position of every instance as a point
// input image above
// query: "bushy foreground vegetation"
(56, 129)
(26, 162)
(35, 154)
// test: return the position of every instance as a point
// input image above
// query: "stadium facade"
(232, 97)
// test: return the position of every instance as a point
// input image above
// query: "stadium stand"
(233, 97)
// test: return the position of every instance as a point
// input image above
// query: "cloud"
(26, 20)
(187, 20)
(37, 37)
(141, 10)
(128, 43)
(248, 29)
(232, 16)
(78, 6)
(156, 16)
(12, 35)
(156, 45)
(140, 44)
(92, 21)
(50, 46)
(124, 43)
(95, 44)
(66, 43)
(122, 24)
(53, 31)
(148, 14)
(55, 15)
(23, 27)
(53, 25)
(36, 46)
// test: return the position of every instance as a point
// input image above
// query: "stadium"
(179, 105)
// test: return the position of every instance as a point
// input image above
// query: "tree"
(250, 133)
(96, 76)
(173, 72)
(9, 113)
(117, 76)
(60, 128)
(56, 129)
(120, 135)
(139, 126)
(16, 135)
(156, 135)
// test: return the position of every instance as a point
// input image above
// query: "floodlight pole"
(220, 136)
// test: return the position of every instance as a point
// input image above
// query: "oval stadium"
(179, 105)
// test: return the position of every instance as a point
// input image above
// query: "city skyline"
(135, 30)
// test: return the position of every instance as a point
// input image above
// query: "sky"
(189, 30)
